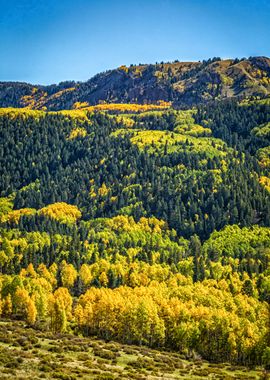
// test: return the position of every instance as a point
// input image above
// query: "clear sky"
(48, 41)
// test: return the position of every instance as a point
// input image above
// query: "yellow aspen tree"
(68, 274)
(88, 316)
(64, 298)
(85, 275)
(31, 312)
(53, 269)
(57, 315)
(103, 190)
(79, 315)
(134, 280)
(20, 301)
(30, 271)
(103, 279)
(7, 306)
(46, 274)
(142, 322)
(41, 298)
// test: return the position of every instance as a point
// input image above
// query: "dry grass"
(26, 353)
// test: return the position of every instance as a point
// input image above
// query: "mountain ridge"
(184, 84)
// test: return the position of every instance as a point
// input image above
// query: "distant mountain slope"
(183, 83)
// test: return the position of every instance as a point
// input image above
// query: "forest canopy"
(143, 224)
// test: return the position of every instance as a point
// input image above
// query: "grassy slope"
(32, 354)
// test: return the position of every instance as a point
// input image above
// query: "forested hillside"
(141, 224)
(182, 83)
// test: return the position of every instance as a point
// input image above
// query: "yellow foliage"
(152, 224)
(24, 113)
(79, 315)
(6, 204)
(31, 312)
(156, 140)
(92, 192)
(30, 271)
(85, 274)
(101, 162)
(61, 211)
(193, 130)
(75, 115)
(38, 98)
(77, 132)
(128, 107)
(61, 92)
(123, 68)
(164, 104)
(226, 80)
(21, 299)
(46, 274)
(68, 274)
(103, 190)
(263, 155)
(79, 105)
(7, 305)
(80, 111)
(15, 215)
(125, 121)
(265, 182)
(57, 313)
(103, 279)
(62, 295)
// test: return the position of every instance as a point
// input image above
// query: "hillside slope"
(183, 83)
(137, 224)
(36, 354)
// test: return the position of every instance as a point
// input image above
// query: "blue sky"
(48, 41)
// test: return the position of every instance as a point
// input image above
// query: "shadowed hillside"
(182, 83)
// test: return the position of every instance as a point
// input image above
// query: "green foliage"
(169, 142)
(195, 130)
(263, 155)
(139, 227)
(6, 205)
(112, 171)
(241, 244)
(262, 130)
